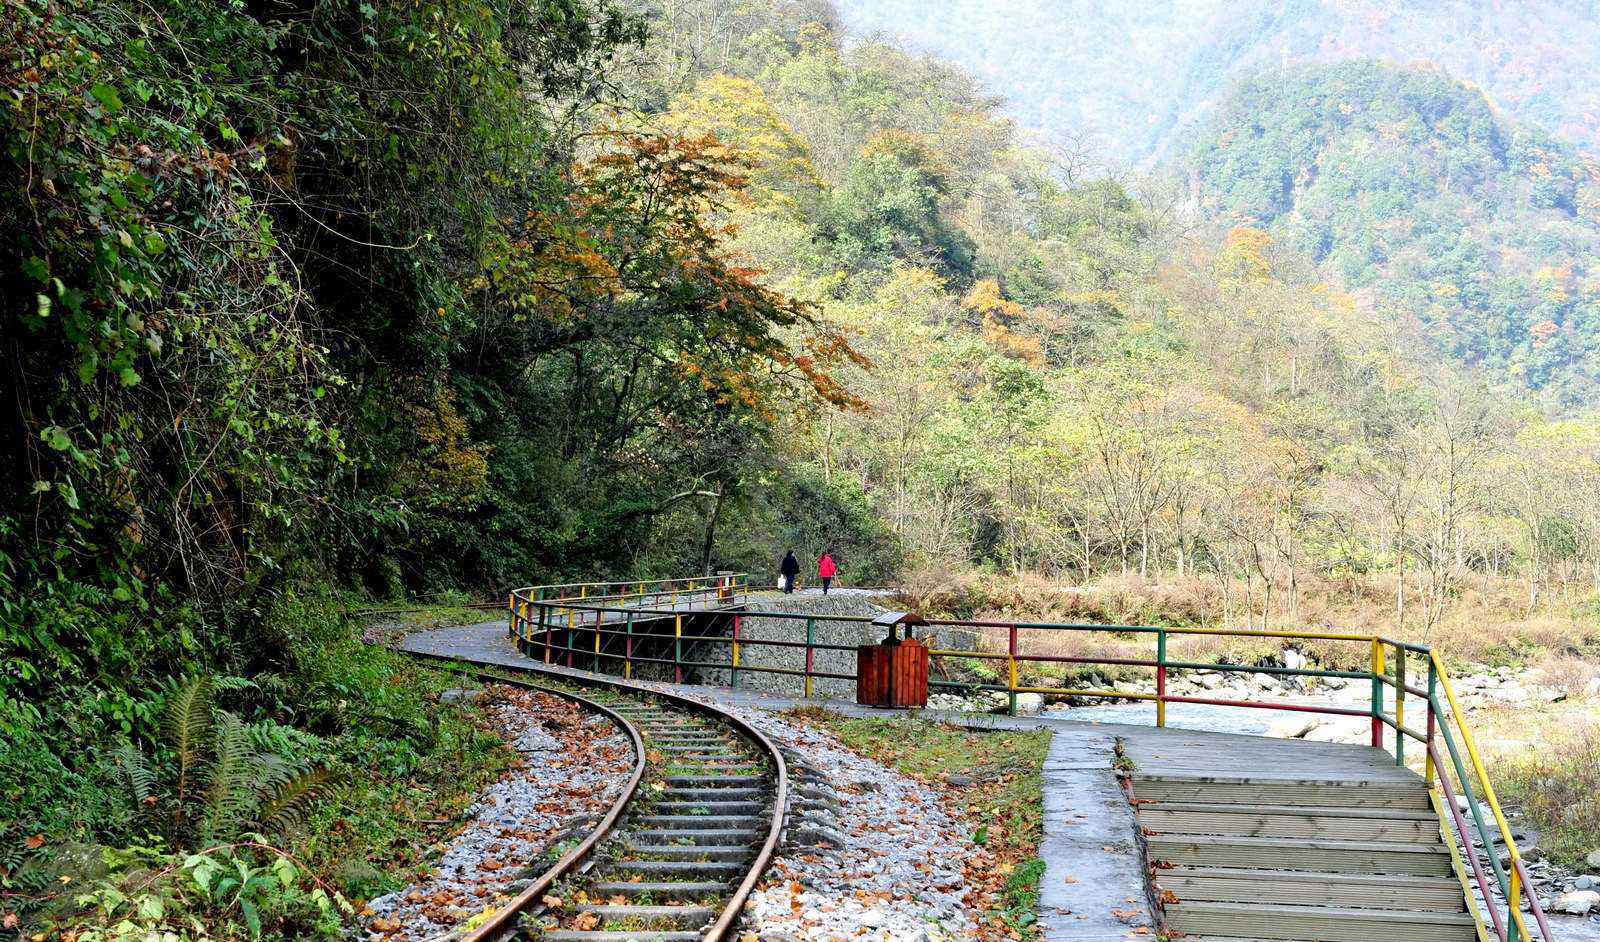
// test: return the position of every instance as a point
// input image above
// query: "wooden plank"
(1305, 822)
(1370, 891)
(1271, 853)
(1322, 924)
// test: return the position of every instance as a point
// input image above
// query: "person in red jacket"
(826, 570)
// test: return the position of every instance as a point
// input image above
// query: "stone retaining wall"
(825, 630)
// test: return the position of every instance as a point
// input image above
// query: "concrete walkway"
(1093, 886)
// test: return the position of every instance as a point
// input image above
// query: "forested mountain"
(1131, 75)
(1412, 192)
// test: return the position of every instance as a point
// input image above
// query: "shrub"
(1558, 788)
(209, 782)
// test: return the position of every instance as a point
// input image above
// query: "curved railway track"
(683, 844)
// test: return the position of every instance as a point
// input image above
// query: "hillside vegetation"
(1410, 191)
(1062, 385)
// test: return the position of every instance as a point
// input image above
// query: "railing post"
(511, 619)
(627, 650)
(735, 663)
(811, 638)
(677, 648)
(1433, 719)
(1399, 705)
(1011, 663)
(544, 622)
(594, 664)
(1514, 899)
(1161, 677)
(572, 621)
(1377, 694)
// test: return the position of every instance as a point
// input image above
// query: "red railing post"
(1377, 693)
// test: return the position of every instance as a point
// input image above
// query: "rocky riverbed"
(570, 764)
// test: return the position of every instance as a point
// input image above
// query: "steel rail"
(502, 921)
(719, 928)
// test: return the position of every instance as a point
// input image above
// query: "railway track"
(683, 845)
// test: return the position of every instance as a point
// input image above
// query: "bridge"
(1244, 837)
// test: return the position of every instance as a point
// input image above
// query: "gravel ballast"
(571, 764)
(870, 853)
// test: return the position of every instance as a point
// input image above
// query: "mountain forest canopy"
(310, 304)
(1409, 190)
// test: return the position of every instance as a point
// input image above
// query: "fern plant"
(217, 784)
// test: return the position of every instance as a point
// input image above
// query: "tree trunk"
(711, 530)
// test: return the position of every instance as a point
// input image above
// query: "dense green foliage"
(1409, 188)
(329, 292)
(383, 297)
(1094, 395)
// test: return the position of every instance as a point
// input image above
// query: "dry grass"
(1568, 674)
(1551, 772)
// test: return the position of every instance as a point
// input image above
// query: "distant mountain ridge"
(1404, 184)
(1476, 225)
(1131, 76)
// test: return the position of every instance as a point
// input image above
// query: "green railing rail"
(602, 623)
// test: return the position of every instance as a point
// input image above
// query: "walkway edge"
(1094, 885)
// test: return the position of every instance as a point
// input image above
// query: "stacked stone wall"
(828, 614)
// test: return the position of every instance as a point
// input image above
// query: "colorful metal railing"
(607, 618)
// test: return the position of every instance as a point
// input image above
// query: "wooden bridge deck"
(1286, 839)
(1182, 752)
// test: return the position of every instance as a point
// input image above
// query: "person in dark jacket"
(788, 570)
